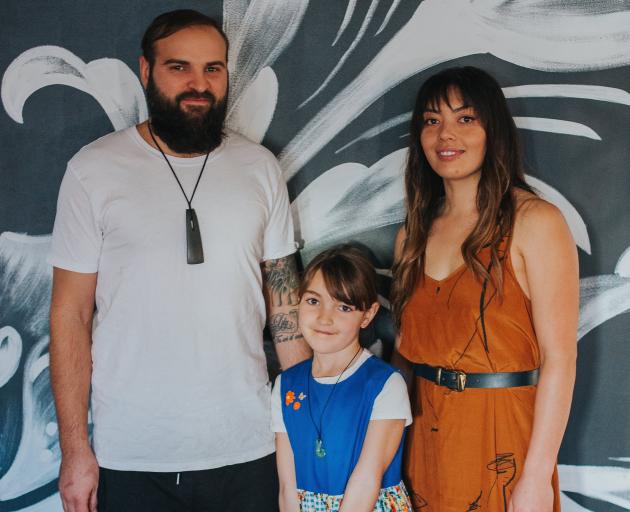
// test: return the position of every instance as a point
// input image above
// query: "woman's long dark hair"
(501, 173)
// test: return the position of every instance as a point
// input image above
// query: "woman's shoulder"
(531, 208)
(536, 220)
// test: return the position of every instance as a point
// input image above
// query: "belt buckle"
(438, 376)
(460, 380)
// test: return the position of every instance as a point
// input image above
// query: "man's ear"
(145, 71)
(369, 314)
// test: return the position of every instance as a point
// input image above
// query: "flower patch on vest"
(290, 400)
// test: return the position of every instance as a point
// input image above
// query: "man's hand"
(280, 288)
(78, 481)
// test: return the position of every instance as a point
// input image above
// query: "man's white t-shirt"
(179, 378)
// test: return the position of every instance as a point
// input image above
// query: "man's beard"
(200, 130)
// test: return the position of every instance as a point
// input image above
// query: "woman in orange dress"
(485, 294)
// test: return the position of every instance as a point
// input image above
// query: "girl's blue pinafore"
(343, 427)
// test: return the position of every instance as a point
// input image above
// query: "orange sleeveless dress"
(465, 450)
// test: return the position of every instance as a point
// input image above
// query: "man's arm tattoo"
(284, 327)
(280, 283)
(281, 280)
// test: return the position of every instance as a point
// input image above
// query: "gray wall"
(328, 86)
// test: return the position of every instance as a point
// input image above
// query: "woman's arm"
(381, 442)
(288, 498)
(546, 252)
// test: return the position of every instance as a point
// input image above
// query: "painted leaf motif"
(256, 107)
(349, 199)
(586, 92)
(256, 41)
(607, 483)
(543, 124)
(602, 298)
(25, 286)
(10, 353)
(573, 218)
(534, 34)
(109, 81)
(623, 265)
(39, 443)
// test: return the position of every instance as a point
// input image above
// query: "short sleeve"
(76, 238)
(279, 237)
(277, 421)
(392, 403)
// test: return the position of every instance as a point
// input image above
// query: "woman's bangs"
(439, 91)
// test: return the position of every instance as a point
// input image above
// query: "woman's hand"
(531, 494)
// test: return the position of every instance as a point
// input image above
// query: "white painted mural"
(395, 42)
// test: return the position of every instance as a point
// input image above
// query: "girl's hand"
(531, 495)
(288, 497)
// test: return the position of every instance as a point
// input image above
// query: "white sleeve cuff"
(277, 421)
(392, 403)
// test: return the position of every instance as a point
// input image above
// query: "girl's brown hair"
(348, 274)
(501, 173)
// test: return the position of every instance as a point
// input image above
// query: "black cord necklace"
(320, 452)
(194, 247)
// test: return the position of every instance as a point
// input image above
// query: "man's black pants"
(248, 487)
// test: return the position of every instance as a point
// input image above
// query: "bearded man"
(172, 241)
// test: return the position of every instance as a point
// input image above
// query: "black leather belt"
(454, 379)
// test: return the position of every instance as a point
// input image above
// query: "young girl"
(339, 418)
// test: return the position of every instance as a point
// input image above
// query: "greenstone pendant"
(319, 448)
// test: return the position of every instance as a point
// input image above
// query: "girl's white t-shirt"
(392, 403)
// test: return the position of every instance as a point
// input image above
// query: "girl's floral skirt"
(390, 499)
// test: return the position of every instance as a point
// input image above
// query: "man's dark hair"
(170, 22)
